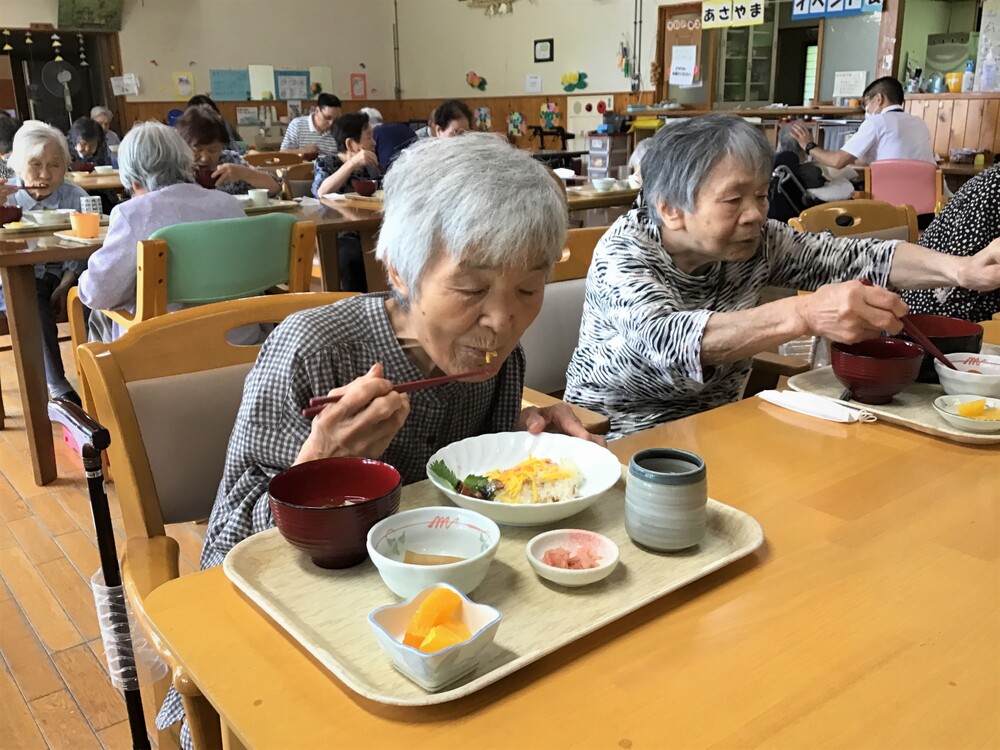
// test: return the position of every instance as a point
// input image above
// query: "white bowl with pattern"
(477, 455)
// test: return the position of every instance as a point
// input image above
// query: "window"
(809, 90)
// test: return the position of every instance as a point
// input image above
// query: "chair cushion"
(550, 340)
(186, 421)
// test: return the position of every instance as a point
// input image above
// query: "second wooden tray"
(326, 610)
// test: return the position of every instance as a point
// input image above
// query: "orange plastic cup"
(85, 226)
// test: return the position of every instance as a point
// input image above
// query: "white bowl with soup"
(423, 546)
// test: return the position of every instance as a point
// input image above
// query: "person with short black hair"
(888, 132)
(453, 117)
(88, 144)
(8, 126)
(204, 130)
(310, 135)
(234, 138)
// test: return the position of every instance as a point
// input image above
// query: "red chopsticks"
(317, 403)
(920, 337)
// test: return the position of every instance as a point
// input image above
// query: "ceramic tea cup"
(666, 499)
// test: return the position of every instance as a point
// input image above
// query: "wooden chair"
(860, 219)
(297, 180)
(906, 182)
(273, 159)
(155, 391)
(991, 330)
(209, 261)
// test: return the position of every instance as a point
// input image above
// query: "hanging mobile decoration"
(83, 52)
(27, 38)
(6, 40)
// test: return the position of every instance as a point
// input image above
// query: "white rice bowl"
(598, 467)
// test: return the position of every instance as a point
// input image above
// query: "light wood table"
(868, 619)
(93, 182)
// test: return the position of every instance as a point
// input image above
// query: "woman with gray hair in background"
(103, 117)
(155, 166)
(39, 158)
(672, 311)
(470, 233)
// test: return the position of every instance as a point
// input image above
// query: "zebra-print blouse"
(638, 359)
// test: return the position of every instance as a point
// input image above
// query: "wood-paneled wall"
(410, 109)
(959, 120)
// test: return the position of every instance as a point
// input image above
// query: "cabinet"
(747, 61)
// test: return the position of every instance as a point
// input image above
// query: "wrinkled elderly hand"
(801, 133)
(362, 423)
(851, 311)
(361, 159)
(230, 173)
(556, 418)
(981, 272)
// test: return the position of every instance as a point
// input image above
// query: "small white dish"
(603, 184)
(436, 670)
(961, 381)
(445, 530)
(104, 169)
(572, 540)
(947, 406)
(477, 455)
(49, 218)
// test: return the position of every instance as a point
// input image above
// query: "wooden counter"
(958, 120)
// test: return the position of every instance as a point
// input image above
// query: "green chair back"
(212, 261)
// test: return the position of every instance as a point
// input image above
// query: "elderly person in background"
(355, 157)
(40, 158)
(233, 137)
(427, 131)
(309, 135)
(204, 130)
(8, 126)
(635, 163)
(87, 143)
(793, 197)
(104, 117)
(155, 167)
(453, 117)
(464, 283)
(672, 309)
(374, 116)
(968, 223)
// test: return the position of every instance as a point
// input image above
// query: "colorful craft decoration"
(483, 119)
(574, 81)
(516, 124)
(551, 116)
(475, 80)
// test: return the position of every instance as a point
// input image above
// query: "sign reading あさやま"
(721, 13)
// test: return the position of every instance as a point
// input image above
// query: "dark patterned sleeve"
(800, 260)
(268, 435)
(646, 314)
(323, 167)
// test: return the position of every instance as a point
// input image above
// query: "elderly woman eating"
(672, 310)
(40, 157)
(204, 130)
(472, 229)
(155, 167)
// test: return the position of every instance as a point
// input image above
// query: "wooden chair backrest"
(302, 171)
(580, 245)
(906, 182)
(273, 159)
(168, 393)
(859, 219)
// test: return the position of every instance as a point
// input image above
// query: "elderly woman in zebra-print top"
(672, 312)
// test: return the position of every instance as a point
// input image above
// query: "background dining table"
(93, 182)
(868, 619)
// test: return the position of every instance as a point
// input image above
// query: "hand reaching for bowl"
(362, 423)
(851, 311)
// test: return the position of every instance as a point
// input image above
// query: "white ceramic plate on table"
(477, 455)
(947, 407)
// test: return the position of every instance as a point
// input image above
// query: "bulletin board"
(680, 26)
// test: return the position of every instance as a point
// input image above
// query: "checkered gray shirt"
(309, 354)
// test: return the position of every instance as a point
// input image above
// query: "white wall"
(442, 40)
(849, 43)
(920, 18)
(23, 13)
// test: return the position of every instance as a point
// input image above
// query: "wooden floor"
(54, 688)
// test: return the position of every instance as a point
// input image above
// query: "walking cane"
(91, 439)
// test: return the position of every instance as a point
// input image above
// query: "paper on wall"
(533, 83)
(126, 85)
(183, 84)
(683, 59)
(849, 83)
(261, 81)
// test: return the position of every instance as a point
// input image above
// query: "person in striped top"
(310, 135)
(672, 310)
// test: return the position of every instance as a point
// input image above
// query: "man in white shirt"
(887, 132)
(310, 134)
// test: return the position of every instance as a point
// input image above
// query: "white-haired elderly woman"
(39, 158)
(103, 117)
(471, 231)
(156, 166)
(672, 311)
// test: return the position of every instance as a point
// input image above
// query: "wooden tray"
(327, 610)
(48, 229)
(273, 204)
(68, 235)
(911, 408)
